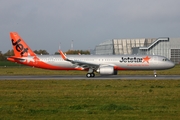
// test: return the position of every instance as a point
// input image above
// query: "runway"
(78, 77)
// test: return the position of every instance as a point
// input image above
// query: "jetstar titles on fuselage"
(135, 61)
(131, 60)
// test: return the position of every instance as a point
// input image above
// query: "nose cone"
(171, 64)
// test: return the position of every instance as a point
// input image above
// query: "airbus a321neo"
(102, 64)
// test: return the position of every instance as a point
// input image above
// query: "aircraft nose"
(171, 64)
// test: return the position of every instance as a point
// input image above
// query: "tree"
(57, 53)
(2, 57)
(41, 52)
(86, 52)
(9, 53)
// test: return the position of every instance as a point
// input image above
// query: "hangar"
(165, 46)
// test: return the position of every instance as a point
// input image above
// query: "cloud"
(43, 24)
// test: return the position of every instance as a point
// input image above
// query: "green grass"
(8, 63)
(90, 99)
(24, 70)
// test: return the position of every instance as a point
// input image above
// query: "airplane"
(102, 64)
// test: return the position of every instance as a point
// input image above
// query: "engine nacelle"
(106, 70)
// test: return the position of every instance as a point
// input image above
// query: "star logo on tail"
(146, 59)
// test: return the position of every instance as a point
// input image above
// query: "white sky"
(43, 24)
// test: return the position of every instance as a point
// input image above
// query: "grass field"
(90, 99)
(8, 63)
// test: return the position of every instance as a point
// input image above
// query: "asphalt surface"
(113, 77)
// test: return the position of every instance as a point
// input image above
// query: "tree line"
(75, 52)
(3, 56)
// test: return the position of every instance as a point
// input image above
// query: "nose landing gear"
(155, 75)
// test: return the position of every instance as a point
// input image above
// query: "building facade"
(168, 47)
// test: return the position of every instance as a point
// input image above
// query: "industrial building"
(168, 47)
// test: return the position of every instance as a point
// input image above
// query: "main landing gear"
(88, 75)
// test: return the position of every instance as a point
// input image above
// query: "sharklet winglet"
(62, 55)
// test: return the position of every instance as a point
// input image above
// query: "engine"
(107, 70)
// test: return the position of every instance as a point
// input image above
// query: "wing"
(80, 63)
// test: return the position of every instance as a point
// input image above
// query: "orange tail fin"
(21, 49)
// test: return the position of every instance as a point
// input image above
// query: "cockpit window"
(165, 59)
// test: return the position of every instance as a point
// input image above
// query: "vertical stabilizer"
(21, 49)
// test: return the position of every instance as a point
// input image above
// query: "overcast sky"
(43, 24)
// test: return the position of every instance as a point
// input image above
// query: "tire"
(88, 75)
(155, 75)
(92, 75)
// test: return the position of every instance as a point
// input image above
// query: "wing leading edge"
(85, 65)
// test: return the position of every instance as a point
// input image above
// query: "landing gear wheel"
(92, 75)
(155, 75)
(88, 75)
